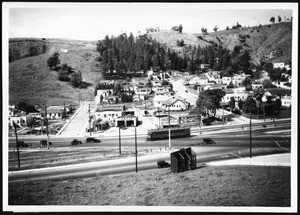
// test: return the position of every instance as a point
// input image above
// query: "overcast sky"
(95, 21)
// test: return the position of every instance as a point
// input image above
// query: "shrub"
(237, 111)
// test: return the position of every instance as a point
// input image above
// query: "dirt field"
(206, 186)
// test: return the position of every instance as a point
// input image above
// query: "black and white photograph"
(162, 107)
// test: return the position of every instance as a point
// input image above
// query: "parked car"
(44, 143)
(23, 144)
(75, 142)
(162, 164)
(92, 139)
(208, 141)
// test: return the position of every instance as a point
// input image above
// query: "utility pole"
(136, 165)
(18, 153)
(223, 114)
(119, 140)
(200, 122)
(47, 127)
(89, 120)
(273, 104)
(250, 136)
(169, 130)
(264, 112)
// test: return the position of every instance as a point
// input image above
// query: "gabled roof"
(173, 100)
(228, 91)
(278, 91)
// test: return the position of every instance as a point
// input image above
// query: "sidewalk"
(266, 160)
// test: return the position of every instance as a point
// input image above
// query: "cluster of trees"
(177, 28)
(27, 108)
(273, 19)
(209, 100)
(117, 90)
(274, 73)
(127, 53)
(65, 73)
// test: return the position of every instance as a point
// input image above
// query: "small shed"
(183, 160)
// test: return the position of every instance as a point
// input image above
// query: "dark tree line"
(133, 54)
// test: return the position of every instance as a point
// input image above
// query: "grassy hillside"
(31, 80)
(170, 39)
(206, 186)
(261, 40)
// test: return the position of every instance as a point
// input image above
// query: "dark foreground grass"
(207, 186)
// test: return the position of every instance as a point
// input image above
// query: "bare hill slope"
(171, 37)
(269, 42)
(31, 80)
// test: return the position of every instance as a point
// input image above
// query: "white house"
(104, 93)
(278, 65)
(200, 80)
(53, 112)
(176, 104)
(158, 100)
(286, 101)
(256, 86)
(226, 80)
(237, 95)
(238, 79)
(20, 119)
(108, 113)
(214, 76)
(142, 91)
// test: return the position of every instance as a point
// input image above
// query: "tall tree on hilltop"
(272, 19)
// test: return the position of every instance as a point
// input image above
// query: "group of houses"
(22, 119)
(156, 95)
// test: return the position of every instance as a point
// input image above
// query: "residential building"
(226, 80)
(278, 65)
(142, 91)
(20, 119)
(53, 112)
(108, 113)
(237, 95)
(199, 80)
(286, 101)
(238, 79)
(176, 104)
(158, 100)
(256, 86)
(214, 76)
(276, 93)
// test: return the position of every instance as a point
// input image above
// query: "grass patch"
(209, 186)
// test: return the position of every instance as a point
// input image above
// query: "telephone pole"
(119, 140)
(136, 165)
(169, 130)
(89, 120)
(15, 126)
(46, 121)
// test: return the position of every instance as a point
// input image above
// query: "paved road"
(77, 125)
(227, 147)
(183, 92)
(127, 136)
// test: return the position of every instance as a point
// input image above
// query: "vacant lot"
(206, 186)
